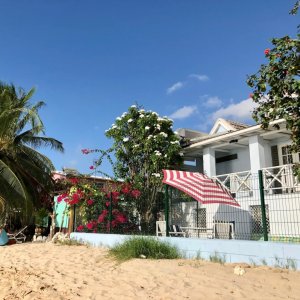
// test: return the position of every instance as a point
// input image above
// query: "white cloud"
(184, 112)
(199, 77)
(239, 111)
(213, 102)
(175, 87)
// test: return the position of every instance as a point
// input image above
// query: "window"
(256, 219)
(286, 156)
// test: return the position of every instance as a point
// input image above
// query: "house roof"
(237, 125)
(222, 125)
(229, 137)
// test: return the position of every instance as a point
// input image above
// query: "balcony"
(277, 180)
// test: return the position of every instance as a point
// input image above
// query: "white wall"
(242, 163)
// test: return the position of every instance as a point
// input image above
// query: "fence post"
(263, 206)
(167, 210)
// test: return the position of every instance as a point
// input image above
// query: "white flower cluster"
(157, 153)
(147, 128)
(133, 106)
(126, 139)
(142, 116)
(175, 142)
(129, 121)
(158, 126)
(149, 137)
(157, 175)
(118, 118)
(163, 134)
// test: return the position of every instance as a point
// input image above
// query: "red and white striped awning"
(199, 187)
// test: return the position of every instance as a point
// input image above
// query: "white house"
(232, 153)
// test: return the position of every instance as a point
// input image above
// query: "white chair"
(18, 236)
(161, 228)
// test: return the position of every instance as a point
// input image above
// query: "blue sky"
(90, 60)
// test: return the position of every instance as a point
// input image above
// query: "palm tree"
(25, 173)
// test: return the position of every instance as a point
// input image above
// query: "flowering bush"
(101, 210)
(144, 144)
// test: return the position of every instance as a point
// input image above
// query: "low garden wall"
(252, 252)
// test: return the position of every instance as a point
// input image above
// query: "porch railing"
(278, 179)
(236, 183)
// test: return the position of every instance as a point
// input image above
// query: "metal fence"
(269, 209)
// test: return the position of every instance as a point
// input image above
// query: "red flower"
(75, 198)
(101, 217)
(115, 196)
(62, 197)
(267, 51)
(80, 228)
(135, 194)
(121, 218)
(107, 203)
(251, 95)
(74, 180)
(126, 189)
(92, 167)
(114, 223)
(90, 225)
(90, 202)
(85, 151)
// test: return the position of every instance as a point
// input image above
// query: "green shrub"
(144, 247)
(217, 258)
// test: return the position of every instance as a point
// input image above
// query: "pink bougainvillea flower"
(74, 180)
(135, 194)
(267, 51)
(75, 198)
(107, 203)
(114, 223)
(121, 218)
(103, 215)
(126, 189)
(62, 197)
(80, 228)
(90, 225)
(90, 202)
(92, 167)
(85, 151)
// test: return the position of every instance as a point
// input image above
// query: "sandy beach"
(49, 271)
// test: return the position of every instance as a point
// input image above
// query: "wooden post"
(71, 220)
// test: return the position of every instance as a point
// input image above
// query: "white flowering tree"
(144, 144)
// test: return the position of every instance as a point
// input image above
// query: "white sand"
(47, 271)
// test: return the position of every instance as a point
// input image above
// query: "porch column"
(209, 162)
(257, 153)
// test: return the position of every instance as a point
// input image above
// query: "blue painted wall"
(59, 209)
(252, 252)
